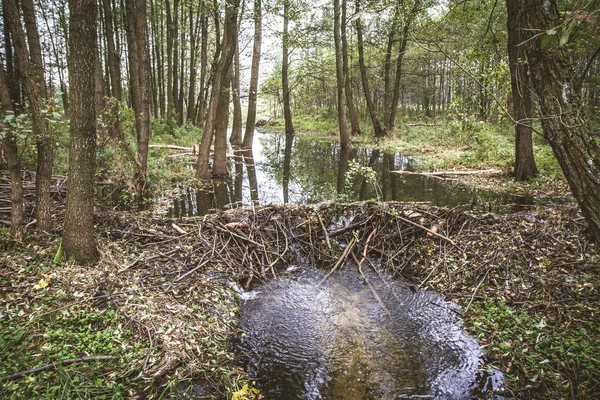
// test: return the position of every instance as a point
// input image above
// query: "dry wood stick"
(340, 260)
(54, 365)
(425, 229)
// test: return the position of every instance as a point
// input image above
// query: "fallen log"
(170, 146)
(451, 173)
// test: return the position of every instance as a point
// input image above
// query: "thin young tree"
(139, 64)
(78, 238)
(253, 92)
(377, 129)
(285, 67)
(13, 160)
(341, 98)
(525, 166)
(32, 77)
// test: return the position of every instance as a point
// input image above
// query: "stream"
(307, 171)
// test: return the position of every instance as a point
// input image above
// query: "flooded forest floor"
(156, 318)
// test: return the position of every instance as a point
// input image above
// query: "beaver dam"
(333, 301)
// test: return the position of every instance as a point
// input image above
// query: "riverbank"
(161, 302)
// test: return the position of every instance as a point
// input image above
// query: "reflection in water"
(299, 170)
(349, 339)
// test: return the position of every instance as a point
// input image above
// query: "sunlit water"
(354, 336)
(307, 171)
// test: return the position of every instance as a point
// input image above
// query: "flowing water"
(355, 336)
(305, 171)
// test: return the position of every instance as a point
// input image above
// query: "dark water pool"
(305, 171)
(355, 336)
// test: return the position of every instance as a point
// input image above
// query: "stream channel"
(308, 171)
(351, 335)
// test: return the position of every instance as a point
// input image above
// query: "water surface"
(354, 336)
(302, 170)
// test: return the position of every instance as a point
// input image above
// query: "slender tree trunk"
(230, 32)
(236, 128)
(575, 147)
(113, 56)
(78, 239)
(253, 92)
(387, 67)
(355, 127)
(393, 107)
(217, 106)
(285, 66)
(34, 84)
(191, 108)
(203, 67)
(377, 130)
(287, 167)
(14, 162)
(181, 95)
(525, 166)
(341, 98)
(140, 77)
(171, 31)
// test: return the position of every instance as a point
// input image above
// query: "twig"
(200, 265)
(425, 229)
(54, 365)
(340, 260)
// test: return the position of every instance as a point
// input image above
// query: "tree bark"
(139, 70)
(35, 89)
(341, 99)
(14, 162)
(390, 123)
(230, 32)
(199, 117)
(560, 105)
(285, 66)
(377, 130)
(253, 92)
(78, 237)
(114, 66)
(525, 166)
(355, 127)
(217, 105)
(236, 128)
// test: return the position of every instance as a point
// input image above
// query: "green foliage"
(533, 342)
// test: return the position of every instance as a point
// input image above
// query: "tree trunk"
(525, 166)
(14, 163)
(341, 99)
(285, 65)
(355, 127)
(253, 92)
(139, 70)
(78, 238)
(180, 95)
(390, 123)
(377, 130)
(114, 66)
(575, 147)
(171, 31)
(230, 32)
(236, 128)
(191, 110)
(34, 84)
(220, 90)
(199, 118)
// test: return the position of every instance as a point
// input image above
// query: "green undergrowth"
(544, 349)
(39, 327)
